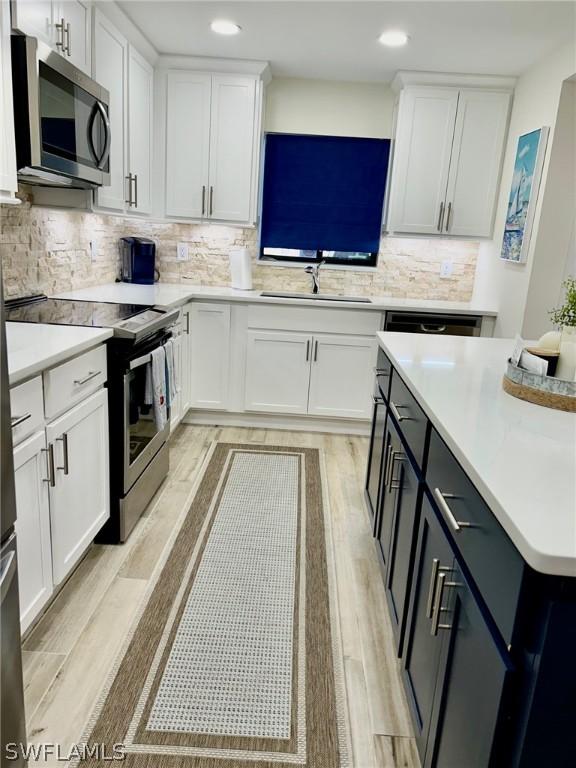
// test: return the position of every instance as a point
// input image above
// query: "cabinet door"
(37, 19)
(79, 499)
(77, 18)
(476, 161)
(186, 377)
(403, 481)
(209, 355)
(140, 86)
(110, 67)
(471, 680)
(231, 147)
(32, 527)
(422, 159)
(277, 371)
(176, 401)
(375, 455)
(187, 143)
(341, 376)
(8, 179)
(434, 557)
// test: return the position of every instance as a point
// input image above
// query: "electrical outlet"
(182, 252)
(446, 268)
(93, 250)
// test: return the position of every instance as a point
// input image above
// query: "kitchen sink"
(315, 297)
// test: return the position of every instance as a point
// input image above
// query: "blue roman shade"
(323, 192)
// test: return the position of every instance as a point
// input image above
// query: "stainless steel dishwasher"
(433, 323)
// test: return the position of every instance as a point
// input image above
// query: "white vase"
(567, 361)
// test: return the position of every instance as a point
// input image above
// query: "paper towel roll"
(241, 269)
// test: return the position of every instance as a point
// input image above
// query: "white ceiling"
(339, 40)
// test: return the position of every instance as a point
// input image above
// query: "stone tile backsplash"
(45, 250)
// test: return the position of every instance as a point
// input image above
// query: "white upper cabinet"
(212, 123)
(187, 143)
(231, 146)
(140, 90)
(76, 15)
(424, 136)
(8, 180)
(65, 25)
(476, 159)
(37, 18)
(449, 143)
(110, 68)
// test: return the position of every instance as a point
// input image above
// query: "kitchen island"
(473, 502)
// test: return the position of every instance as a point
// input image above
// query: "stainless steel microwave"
(60, 118)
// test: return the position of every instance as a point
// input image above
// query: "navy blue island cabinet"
(487, 645)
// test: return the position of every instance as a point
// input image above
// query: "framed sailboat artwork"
(523, 195)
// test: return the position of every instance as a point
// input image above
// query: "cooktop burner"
(41, 309)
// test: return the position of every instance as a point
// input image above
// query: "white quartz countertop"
(521, 457)
(169, 295)
(34, 347)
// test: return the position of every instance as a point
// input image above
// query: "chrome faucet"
(314, 270)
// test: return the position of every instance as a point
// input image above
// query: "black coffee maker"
(138, 256)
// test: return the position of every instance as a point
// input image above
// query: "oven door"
(67, 120)
(142, 439)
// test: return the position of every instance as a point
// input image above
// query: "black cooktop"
(41, 309)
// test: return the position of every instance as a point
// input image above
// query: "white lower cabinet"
(185, 360)
(340, 375)
(277, 371)
(325, 375)
(79, 490)
(209, 350)
(32, 527)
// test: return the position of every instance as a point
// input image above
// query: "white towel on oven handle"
(171, 373)
(155, 392)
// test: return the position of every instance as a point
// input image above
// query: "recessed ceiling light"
(224, 27)
(394, 38)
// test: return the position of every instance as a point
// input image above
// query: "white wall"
(329, 108)
(554, 240)
(536, 102)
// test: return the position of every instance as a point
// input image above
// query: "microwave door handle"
(99, 159)
(106, 121)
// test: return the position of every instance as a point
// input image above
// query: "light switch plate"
(446, 268)
(182, 252)
(93, 250)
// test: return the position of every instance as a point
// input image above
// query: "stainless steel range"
(138, 449)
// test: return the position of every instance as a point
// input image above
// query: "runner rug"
(235, 656)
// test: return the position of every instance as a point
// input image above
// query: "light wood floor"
(70, 651)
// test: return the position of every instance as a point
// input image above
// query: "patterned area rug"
(235, 657)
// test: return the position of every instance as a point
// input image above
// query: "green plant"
(566, 314)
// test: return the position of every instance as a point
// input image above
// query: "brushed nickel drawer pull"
(377, 400)
(394, 408)
(381, 372)
(16, 420)
(64, 441)
(61, 29)
(316, 350)
(456, 525)
(448, 216)
(307, 350)
(389, 451)
(51, 479)
(203, 200)
(68, 49)
(91, 375)
(440, 218)
(438, 607)
(211, 200)
(393, 482)
(432, 587)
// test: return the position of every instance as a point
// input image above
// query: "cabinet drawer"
(410, 417)
(27, 409)
(71, 382)
(493, 561)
